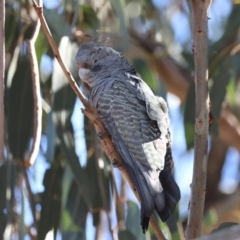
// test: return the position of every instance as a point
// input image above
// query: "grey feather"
(138, 123)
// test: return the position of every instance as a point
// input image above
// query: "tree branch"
(92, 114)
(200, 53)
(2, 71)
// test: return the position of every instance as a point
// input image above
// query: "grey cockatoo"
(138, 123)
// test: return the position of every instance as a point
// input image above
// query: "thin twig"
(200, 52)
(92, 114)
(37, 129)
(2, 71)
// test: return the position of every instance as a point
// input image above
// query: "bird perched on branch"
(138, 123)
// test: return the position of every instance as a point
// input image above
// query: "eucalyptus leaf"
(145, 72)
(51, 200)
(20, 108)
(119, 7)
(126, 235)
(133, 220)
(63, 104)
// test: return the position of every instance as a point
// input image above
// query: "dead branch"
(92, 114)
(200, 52)
(2, 71)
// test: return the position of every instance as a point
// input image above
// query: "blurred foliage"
(80, 186)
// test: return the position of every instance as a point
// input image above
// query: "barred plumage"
(138, 123)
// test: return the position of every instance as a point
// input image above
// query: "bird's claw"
(114, 163)
(101, 135)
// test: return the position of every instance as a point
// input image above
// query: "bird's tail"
(170, 188)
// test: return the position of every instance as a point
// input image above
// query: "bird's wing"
(136, 123)
(137, 139)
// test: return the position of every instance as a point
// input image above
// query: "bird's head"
(95, 61)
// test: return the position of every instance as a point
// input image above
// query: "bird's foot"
(101, 135)
(114, 163)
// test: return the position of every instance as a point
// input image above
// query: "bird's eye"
(95, 61)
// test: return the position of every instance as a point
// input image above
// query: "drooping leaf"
(118, 7)
(76, 207)
(133, 220)
(41, 46)
(173, 226)
(230, 32)
(221, 77)
(123, 235)
(57, 24)
(20, 108)
(63, 104)
(51, 137)
(99, 179)
(51, 199)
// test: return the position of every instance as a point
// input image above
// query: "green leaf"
(231, 92)
(173, 226)
(57, 24)
(41, 46)
(99, 184)
(51, 199)
(90, 17)
(63, 104)
(123, 235)
(145, 72)
(51, 137)
(221, 76)
(20, 108)
(210, 218)
(133, 220)
(12, 28)
(74, 235)
(118, 7)
(76, 208)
